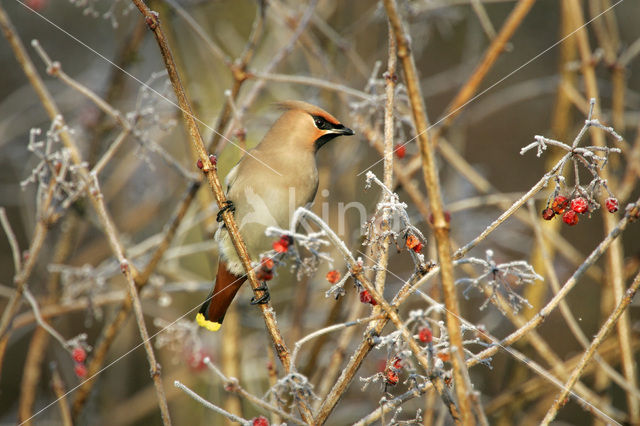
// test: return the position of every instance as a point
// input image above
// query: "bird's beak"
(341, 130)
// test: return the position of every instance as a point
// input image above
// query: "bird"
(264, 189)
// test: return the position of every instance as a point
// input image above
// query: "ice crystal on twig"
(399, 225)
(293, 385)
(497, 281)
(55, 175)
(110, 11)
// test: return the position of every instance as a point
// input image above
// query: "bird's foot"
(228, 205)
(265, 296)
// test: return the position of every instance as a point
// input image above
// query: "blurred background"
(298, 47)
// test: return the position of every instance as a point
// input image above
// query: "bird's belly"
(255, 212)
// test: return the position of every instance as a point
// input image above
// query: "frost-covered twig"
(499, 280)
(231, 385)
(211, 406)
(326, 330)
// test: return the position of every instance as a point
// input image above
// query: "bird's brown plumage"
(266, 186)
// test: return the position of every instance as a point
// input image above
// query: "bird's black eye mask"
(322, 124)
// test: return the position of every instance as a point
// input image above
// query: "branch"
(209, 170)
(440, 225)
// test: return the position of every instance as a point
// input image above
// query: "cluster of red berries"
(212, 158)
(569, 209)
(282, 245)
(365, 297)
(79, 355)
(413, 243)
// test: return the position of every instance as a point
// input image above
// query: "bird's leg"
(228, 205)
(265, 296)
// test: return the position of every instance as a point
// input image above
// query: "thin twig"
(211, 406)
(560, 400)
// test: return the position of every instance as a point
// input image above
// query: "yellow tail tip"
(209, 325)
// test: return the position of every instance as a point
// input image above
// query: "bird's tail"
(212, 311)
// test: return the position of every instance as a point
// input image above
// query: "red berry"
(559, 204)
(199, 164)
(548, 214)
(400, 150)
(579, 205)
(425, 335)
(611, 204)
(36, 5)
(447, 217)
(78, 354)
(333, 276)
(195, 360)
(391, 377)
(213, 159)
(417, 248)
(80, 370)
(282, 245)
(365, 297)
(570, 217)
(260, 421)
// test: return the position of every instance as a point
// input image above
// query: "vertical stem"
(441, 226)
(615, 255)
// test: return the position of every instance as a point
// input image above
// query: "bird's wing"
(231, 177)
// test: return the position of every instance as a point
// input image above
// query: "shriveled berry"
(264, 274)
(79, 354)
(397, 363)
(213, 159)
(199, 164)
(391, 377)
(444, 356)
(611, 204)
(412, 241)
(570, 217)
(365, 297)
(260, 421)
(400, 150)
(333, 276)
(266, 263)
(80, 369)
(417, 248)
(548, 214)
(425, 335)
(559, 204)
(579, 205)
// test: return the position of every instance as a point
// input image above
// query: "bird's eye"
(321, 123)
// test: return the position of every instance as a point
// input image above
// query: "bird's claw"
(228, 205)
(265, 296)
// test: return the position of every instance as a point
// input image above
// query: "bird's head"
(310, 124)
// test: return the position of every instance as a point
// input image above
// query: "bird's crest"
(309, 109)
